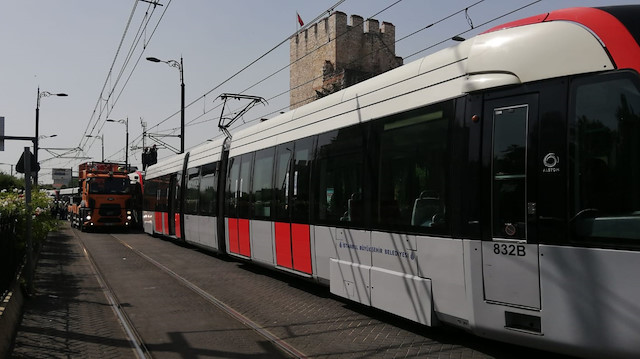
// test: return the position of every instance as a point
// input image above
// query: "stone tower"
(331, 55)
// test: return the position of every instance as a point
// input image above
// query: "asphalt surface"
(181, 302)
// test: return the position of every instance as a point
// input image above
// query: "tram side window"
(605, 166)
(413, 170)
(301, 177)
(150, 187)
(284, 157)
(262, 184)
(233, 181)
(339, 178)
(292, 181)
(162, 194)
(192, 195)
(244, 187)
(207, 200)
(176, 179)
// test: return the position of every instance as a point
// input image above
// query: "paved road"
(186, 303)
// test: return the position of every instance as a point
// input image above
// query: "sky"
(95, 52)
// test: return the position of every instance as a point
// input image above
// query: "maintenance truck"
(104, 197)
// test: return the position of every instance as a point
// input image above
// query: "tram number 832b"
(509, 249)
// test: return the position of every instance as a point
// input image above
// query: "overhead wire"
(465, 11)
(247, 66)
(130, 53)
(134, 45)
(97, 115)
(113, 63)
(193, 122)
(320, 16)
(473, 28)
(136, 65)
(350, 28)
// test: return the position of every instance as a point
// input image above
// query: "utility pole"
(144, 133)
(180, 67)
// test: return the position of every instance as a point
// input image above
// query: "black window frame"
(208, 204)
(583, 220)
(162, 194)
(339, 175)
(282, 182)
(192, 191)
(441, 221)
(262, 198)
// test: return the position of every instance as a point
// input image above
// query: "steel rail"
(135, 339)
(275, 340)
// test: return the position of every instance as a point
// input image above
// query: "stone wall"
(332, 54)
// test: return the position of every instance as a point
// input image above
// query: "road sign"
(35, 167)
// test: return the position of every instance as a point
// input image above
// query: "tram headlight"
(88, 217)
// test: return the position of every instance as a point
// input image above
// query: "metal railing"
(11, 254)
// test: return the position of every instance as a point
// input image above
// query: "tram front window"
(605, 168)
(109, 186)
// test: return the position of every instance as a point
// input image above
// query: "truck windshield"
(109, 186)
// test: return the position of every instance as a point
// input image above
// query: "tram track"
(132, 334)
(275, 340)
(141, 350)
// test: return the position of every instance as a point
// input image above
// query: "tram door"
(171, 205)
(238, 209)
(176, 205)
(292, 236)
(509, 250)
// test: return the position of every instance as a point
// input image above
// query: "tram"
(491, 186)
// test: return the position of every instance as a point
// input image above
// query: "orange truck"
(105, 198)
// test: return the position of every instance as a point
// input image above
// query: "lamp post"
(126, 146)
(102, 139)
(178, 65)
(35, 142)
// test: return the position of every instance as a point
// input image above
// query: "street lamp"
(45, 136)
(101, 138)
(126, 146)
(174, 63)
(35, 142)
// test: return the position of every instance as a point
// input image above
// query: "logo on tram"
(551, 161)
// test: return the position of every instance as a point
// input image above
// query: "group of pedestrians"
(59, 209)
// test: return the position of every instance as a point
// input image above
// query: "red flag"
(300, 20)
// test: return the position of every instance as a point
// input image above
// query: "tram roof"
(502, 57)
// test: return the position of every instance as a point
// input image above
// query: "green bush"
(13, 204)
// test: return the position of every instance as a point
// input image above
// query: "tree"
(7, 182)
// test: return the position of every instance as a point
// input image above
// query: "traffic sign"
(32, 160)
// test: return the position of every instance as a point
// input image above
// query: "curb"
(10, 315)
(12, 305)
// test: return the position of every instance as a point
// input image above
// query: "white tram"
(491, 186)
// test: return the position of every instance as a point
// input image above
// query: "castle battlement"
(335, 53)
